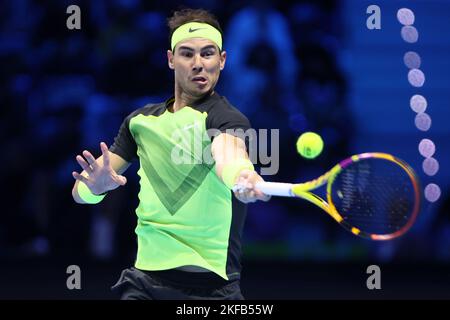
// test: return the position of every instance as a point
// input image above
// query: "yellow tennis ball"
(309, 145)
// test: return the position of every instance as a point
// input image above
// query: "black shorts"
(135, 284)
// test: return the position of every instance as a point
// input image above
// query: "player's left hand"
(245, 189)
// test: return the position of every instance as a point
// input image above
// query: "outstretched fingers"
(105, 153)
(79, 177)
(90, 159)
(86, 167)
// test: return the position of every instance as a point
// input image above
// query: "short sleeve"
(225, 117)
(124, 144)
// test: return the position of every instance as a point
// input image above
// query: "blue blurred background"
(299, 66)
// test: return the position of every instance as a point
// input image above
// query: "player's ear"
(170, 59)
(223, 58)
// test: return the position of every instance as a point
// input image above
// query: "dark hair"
(186, 15)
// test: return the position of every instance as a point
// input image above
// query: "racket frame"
(303, 190)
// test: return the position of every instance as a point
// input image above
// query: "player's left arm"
(228, 150)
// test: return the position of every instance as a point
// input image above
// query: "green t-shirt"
(186, 215)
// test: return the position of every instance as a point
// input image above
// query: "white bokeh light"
(405, 16)
(423, 121)
(410, 34)
(418, 103)
(430, 166)
(432, 192)
(427, 148)
(412, 60)
(416, 78)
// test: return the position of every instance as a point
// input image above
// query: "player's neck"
(183, 99)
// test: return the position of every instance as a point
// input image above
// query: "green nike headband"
(196, 30)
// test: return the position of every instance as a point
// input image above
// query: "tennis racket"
(373, 195)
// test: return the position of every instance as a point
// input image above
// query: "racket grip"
(276, 188)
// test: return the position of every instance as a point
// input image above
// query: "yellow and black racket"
(373, 195)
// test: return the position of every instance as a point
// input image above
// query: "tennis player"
(189, 222)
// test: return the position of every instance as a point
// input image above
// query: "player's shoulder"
(222, 113)
(150, 109)
(222, 105)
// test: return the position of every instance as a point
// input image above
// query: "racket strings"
(374, 195)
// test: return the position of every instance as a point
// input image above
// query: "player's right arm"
(100, 175)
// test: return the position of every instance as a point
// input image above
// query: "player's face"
(197, 63)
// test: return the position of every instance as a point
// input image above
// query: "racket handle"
(276, 188)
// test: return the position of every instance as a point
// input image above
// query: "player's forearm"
(227, 150)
